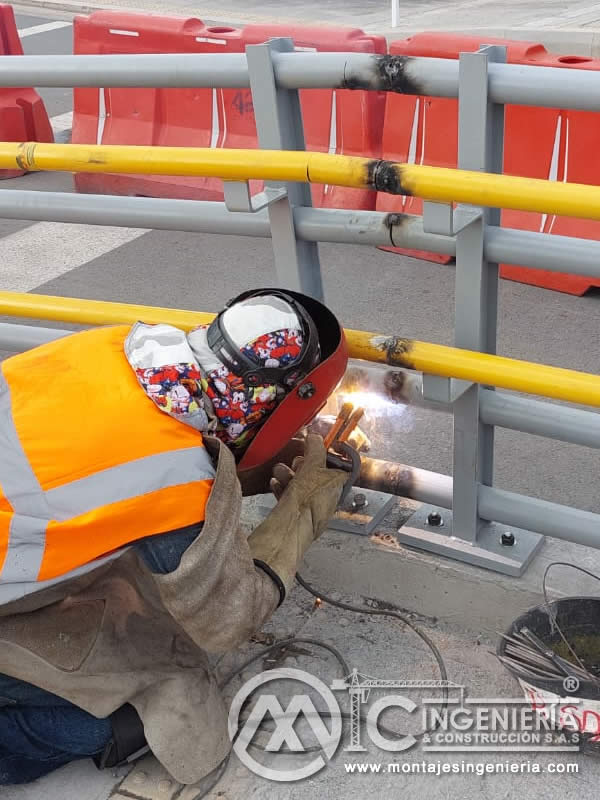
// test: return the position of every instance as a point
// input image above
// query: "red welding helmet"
(323, 336)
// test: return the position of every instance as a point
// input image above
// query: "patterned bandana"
(167, 368)
(239, 409)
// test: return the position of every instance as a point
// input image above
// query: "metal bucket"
(579, 620)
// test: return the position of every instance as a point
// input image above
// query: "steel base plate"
(488, 551)
(363, 521)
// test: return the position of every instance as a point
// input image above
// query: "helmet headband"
(251, 373)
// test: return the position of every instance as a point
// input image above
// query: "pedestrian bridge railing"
(461, 217)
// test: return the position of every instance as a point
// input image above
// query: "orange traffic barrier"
(336, 121)
(23, 115)
(342, 121)
(177, 117)
(545, 143)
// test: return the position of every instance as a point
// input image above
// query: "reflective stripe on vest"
(27, 530)
(71, 525)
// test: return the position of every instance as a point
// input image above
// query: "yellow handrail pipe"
(436, 359)
(431, 183)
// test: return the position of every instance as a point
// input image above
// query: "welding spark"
(370, 401)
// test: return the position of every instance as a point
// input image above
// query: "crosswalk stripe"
(43, 28)
(46, 250)
(62, 125)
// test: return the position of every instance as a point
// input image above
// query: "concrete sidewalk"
(458, 606)
(562, 27)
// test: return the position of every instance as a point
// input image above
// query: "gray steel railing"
(483, 84)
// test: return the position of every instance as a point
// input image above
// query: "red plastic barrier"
(177, 117)
(335, 121)
(23, 116)
(539, 143)
(339, 121)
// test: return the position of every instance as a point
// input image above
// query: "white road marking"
(214, 137)
(101, 114)
(62, 125)
(120, 32)
(45, 250)
(43, 28)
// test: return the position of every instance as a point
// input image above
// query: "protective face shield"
(294, 378)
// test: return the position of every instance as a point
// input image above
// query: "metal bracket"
(443, 390)
(488, 551)
(444, 220)
(437, 218)
(238, 197)
(464, 216)
(362, 519)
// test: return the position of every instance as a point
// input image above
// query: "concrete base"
(383, 570)
(487, 552)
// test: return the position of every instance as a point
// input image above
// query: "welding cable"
(215, 776)
(404, 619)
(282, 645)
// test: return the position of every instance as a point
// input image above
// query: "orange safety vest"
(88, 463)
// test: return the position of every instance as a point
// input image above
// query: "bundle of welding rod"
(526, 656)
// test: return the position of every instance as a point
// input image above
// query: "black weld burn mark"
(389, 74)
(397, 351)
(385, 176)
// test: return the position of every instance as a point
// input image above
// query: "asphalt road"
(368, 288)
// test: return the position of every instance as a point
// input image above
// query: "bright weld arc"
(370, 401)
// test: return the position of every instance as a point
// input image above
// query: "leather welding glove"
(257, 480)
(307, 499)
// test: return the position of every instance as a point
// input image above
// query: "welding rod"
(340, 422)
(355, 418)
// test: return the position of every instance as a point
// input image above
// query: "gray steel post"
(279, 126)
(480, 147)
(465, 535)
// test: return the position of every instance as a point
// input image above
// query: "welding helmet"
(304, 384)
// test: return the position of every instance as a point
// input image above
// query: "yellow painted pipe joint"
(435, 359)
(437, 184)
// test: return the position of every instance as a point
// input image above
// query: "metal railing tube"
(373, 228)
(395, 351)
(195, 216)
(541, 516)
(542, 251)
(497, 408)
(539, 418)
(549, 87)
(404, 481)
(17, 338)
(508, 83)
(186, 70)
(428, 76)
(431, 76)
(439, 184)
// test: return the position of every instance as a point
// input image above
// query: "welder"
(123, 567)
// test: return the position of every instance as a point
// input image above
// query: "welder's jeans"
(39, 731)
